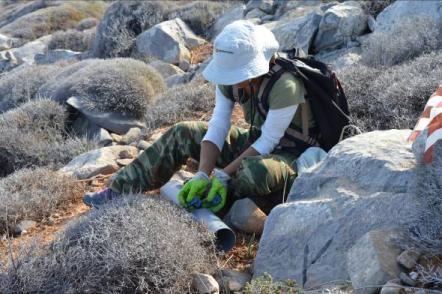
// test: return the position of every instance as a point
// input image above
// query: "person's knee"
(250, 178)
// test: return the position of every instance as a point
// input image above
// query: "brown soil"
(239, 258)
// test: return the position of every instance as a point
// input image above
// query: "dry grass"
(33, 135)
(54, 18)
(180, 103)
(134, 245)
(34, 194)
(122, 23)
(74, 40)
(21, 84)
(413, 37)
(389, 98)
(121, 84)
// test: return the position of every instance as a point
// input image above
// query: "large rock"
(392, 16)
(341, 58)
(169, 41)
(266, 6)
(341, 23)
(113, 121)
(362, 185)
(372, 261)
(56, 55)
(166, 69)
(292, 9)
(99, 161)
(298, 33)
(24, 54)
(228, 17)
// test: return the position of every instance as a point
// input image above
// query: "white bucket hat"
(241, 51)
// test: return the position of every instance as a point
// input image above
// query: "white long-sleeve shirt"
(272, 130)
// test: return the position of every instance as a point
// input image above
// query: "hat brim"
(221, 76)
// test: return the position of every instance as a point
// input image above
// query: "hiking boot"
(100, 198)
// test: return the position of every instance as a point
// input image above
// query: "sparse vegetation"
(374, 7)
(34, 194)
(134, 245)
(179, 103)
(200, 15)
(33, 135)
(426, 228)
(122, 84)
(21, 84)
(122, 23)
(412, 38)
(74, 40)
(53, 18)
(265, 285)
(389, 98)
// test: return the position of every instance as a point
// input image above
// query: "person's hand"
(216, 199)
(193, 190)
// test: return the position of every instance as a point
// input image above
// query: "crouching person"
(233, 162)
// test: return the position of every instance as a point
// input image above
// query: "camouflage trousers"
(257, 175)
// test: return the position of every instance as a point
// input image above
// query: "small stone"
(142, 145)
(413, 275)
(234, 280)
(24, 226)
(408, 258)
(205, 284)
(184, 65)
(391, 288)
(132, 135)
(124, 162)
(246, 216)
(117, 138)
(407, 280)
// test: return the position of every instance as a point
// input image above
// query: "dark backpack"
(324, 93)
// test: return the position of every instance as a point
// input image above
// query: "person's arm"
(219, 126)
(272, 131)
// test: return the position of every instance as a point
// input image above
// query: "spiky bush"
(388, 98)
(375, 7)
(12, 10)
(35, 194)
(426, 226)
(21, 84)
(200, 15)
(122, 22)
(122, 84)
(54, 18)
(413, 37)
(180, 103)
(74, 40)
(134, 245)
(33, 135)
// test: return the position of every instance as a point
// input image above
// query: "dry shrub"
(389, 98)
(122, 84)
(200, 15)
(21, 84)
(413, 37)
(426, 226)
(33, 135)
(50, 19)
(374, 7)
(134, 245)
(35, 194)
(74, 40)
(122, 22)
(12, 10)
(180, 103)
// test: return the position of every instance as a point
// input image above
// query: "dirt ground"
(240, 257)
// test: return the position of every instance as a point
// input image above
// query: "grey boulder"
(363, 184)
(99, 161)
(5, 42)
(297, 33)
(166, 69)
(341, 58)
(56, 55)
(266, 6)
(246, 216)
(341, 23)
(228, 17)
(169, 41)
(113, 121)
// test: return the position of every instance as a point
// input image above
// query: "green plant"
(251, 247)
(265, 285)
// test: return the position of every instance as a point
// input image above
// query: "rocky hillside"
(85, 86)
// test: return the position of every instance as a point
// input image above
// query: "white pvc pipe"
(225, 237)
